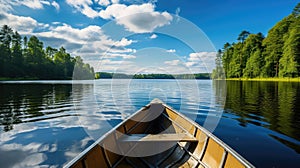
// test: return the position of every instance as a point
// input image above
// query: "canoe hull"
(158, 136)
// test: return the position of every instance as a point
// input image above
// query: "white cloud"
(172, 63)
(79, 3)
(7, 5)
(202, 56)
(171, 51)
(114, 55)
(56, 23)
(89, 12)
(110, 62)
(202, 60)
(45, 2)
(121, 10)
(34, 4)
(24, 25)
(136, 18)
(107, 65)
(123, 42)
(83, 7)
(104, 2)
(115, 1)
(189, 64)
(55, 5)
(90, 33)
(90, 42)
(153, 36)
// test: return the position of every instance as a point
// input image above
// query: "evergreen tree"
(296, 11)
(5, 53)
(82, 71)
(226, 58)
(218, 72)
(17, 57)
(290, 61)
(276, 55)
(64, 62)
(236, 61)
(32, 61)
(273, 44)
(254, 64)
(50, 52)
(243, 35)
(252, 51)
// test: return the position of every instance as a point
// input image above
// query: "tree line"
(107, 75)
(253, 56)
(27, 59)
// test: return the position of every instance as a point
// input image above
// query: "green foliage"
(32, 61)
(243, 35)
(290, 61)
(236, 61)
(5, 52)
(82, 71)
(296, 10)
(253, 65)
(226, 58)
(218, 72)
(273, 47)
(276, 55)
(252, 51)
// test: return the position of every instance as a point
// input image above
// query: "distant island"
(106, 75)
(254, 56)
(23, 58)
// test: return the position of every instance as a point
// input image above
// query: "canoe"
(158, 136)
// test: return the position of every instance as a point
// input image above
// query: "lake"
(47, 123)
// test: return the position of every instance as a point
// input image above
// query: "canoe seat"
(178, 137)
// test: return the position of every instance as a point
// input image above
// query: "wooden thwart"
(179, 137)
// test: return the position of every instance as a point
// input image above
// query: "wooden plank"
(180, 137)
(231, 161)
(95, 158)
(213, 154)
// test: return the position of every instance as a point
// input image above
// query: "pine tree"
(290, 61)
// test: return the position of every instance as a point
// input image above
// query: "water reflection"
(20, 103)
(49, 123)
(40, 126)
(268, 104)
(261, 122)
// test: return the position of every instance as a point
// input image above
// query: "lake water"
(47, 123)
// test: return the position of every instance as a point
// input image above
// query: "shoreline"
(266, 79)
(228, 79)
(34, 79)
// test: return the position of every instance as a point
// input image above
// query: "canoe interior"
(158, 136)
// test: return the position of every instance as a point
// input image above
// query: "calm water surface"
(47, 123)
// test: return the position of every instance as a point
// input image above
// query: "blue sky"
(142, 36)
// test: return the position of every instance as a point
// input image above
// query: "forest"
(256, 56)
(107, 75)
(23, 58)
